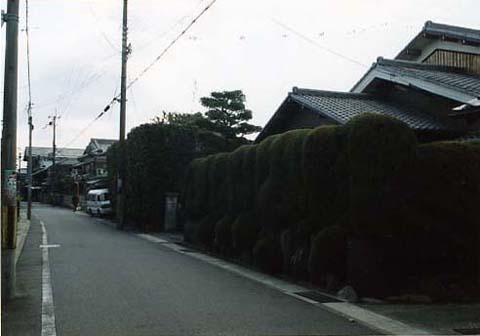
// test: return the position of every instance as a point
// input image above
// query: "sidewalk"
(23, 226)
(447, 318)
(21, 316)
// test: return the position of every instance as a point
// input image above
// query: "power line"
(183, 32)
(104, 35)
(178, 22)
(116, 98)
(315, 43)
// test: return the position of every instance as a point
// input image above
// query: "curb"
(23, 229)
(352, 312)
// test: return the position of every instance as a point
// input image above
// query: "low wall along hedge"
(367, 180)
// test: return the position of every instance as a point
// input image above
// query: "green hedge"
(328, 254)
(325, 170)
(368, 179)
(379, 150)
(157, 157)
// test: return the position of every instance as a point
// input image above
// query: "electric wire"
(318, 45)
(116, 98)
(174, 41)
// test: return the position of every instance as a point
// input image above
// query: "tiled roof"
(99, 145)
(453, 78)
(452, 83)
(452, 32)
(37, 151)
(69, 152)
(432, 31)
(46, 152)
(343, 106)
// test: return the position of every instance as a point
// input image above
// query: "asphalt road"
(107, 282)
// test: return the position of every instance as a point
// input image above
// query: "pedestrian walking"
(75, 201)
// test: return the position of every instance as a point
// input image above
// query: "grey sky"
(75, 54)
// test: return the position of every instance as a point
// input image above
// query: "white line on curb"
(48, 308)
(348, 310)
(374, 320)
(150, 238)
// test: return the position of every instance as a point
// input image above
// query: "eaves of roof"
(447, 82)
(442, 31)
(342, 106)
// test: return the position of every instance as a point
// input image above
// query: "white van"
(98, 202)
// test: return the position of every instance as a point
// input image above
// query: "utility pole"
(30, 123)
(9, 151)
(53, 123)
(123, 112)
(30, 162)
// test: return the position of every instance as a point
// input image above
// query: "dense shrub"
(380, 149)
(244, 233)
(328, 254)
(241, 169)
(196, 189)
(292, 206)
(223, 234)
(218, 184)
(290, 201)
(267, 255)
(326, 176)
(237, 181)
(263, 156)
(145, 195)
(205, 232)
(442, 216)
(157, 156)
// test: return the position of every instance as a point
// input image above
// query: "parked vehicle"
(98, 202)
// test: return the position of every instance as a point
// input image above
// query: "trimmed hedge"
(244, 233)
(223, 235)
(379, 150)
(157, 156)
(267, 255)
(325, 170)
(368, 180)
(328, 254)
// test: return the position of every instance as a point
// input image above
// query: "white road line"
(373, 320)
(49, 246)
(48, 308)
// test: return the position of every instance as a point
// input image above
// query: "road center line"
(48, 308)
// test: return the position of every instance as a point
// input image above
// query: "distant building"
(91, 170)
(42, 161)
(433, 85)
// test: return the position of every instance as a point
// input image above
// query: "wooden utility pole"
(123, 112)
(30, 123)
(30, 163)
(53, 123)
(9, 151)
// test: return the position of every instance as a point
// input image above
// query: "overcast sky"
(244, 44)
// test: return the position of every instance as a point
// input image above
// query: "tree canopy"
(228, 115)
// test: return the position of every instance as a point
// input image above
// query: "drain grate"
(468, 331)
(317, 296)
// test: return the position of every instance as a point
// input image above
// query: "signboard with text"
(10, 187)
